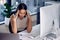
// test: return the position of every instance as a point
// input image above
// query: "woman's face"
(22, 13)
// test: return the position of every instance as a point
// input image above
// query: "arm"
(13, 24)
(29, 23)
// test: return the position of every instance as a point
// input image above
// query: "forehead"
(22, 10)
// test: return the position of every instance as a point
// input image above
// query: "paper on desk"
(25, 38)
(25, 35)
(34, 32)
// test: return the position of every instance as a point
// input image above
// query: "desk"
(4, 29)
(30, 36)
(24, 35)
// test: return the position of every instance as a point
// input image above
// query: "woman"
(21, 20)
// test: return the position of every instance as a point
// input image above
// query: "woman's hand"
(28, 15)
(17, 13)
(13, 17)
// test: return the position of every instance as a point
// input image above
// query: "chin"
(21, 18)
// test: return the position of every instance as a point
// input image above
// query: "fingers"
(13, 16)
(17, 13)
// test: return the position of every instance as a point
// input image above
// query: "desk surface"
(34, 33)
(4, 29)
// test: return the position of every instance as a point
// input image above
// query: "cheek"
(23, 15)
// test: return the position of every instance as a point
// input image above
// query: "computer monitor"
(49, 18)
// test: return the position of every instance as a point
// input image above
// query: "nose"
(21, 15)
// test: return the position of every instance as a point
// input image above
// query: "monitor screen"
(49, 18)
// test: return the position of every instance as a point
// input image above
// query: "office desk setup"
(24, 35)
